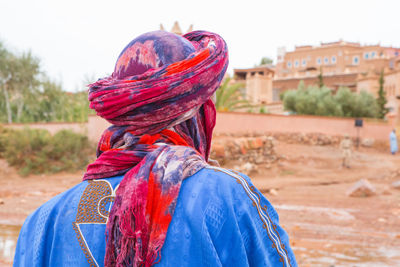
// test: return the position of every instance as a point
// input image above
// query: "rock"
(259, 160)
(283, 157)
(243, 149)
(273, 192)
(256, 150)
(367, 142)
(396, 184)
(236, 168)
(386, 191)
(218, 151)
(247, 168)
(1, 201)
(257, 143)
(362, 188)
(382, 220)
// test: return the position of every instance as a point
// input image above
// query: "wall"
(369, 84)
(52, 127)
(392, 89)
(275, 108)
(234, 123)
(246, 123)
(96, 126)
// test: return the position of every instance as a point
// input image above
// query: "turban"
(158, 102)
(167, 91)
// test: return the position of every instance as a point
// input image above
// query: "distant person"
(393, 142)
(345, 146)
(151, 197)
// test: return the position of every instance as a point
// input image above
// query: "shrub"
(36, 151)
(3, 139)
(321, 101)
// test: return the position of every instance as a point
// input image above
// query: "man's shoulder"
(68, 200)
(218, 183)
(221, 176)
(57, 202)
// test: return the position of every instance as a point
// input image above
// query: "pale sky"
(77, 39)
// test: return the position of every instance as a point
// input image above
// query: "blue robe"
(220, 219)
(393, 142)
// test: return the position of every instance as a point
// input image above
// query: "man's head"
(151, 50)
(163, 81)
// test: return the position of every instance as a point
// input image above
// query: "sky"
(80, 40)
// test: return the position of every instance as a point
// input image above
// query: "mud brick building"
(341, 63)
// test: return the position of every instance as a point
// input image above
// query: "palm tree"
(229, 97)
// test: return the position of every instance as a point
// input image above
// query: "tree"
(24, 84)
(6, 66)
(381, 100)
(19, 77)
(229, 97)
(365, 106)
(320, 78)
(320, 101)
(301, 85)
(266, 61)
(28, 95)
(347, 101)
(263, 110)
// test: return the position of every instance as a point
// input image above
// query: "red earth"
(326, 227)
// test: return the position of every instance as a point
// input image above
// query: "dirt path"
(326, 227)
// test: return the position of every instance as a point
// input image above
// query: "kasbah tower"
(342, 64)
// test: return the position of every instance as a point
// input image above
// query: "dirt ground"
(326, 227)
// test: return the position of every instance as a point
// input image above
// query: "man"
(393, 142)
(345, 146)
(151, 198)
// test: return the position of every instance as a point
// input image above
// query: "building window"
(356, 60)
(373, 54)
(333, 59)
(296, 63)
(366, 55)
(303, 62)
(289, 64)
(318, 61)
(326, 60)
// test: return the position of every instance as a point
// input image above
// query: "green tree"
(320, 101)
(7, 64)
(263, 110)
(347, 100)
(320, 78)
(229, 97)
(366, 106)
(301, 85)
(19, 78)
(266, 61)
(28, 95)
(381, 100)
